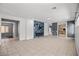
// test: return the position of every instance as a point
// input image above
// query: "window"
(4, 29)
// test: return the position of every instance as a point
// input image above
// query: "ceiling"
(41, 11)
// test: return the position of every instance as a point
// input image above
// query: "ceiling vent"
(53, 7)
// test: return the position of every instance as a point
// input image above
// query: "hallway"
(43, 46)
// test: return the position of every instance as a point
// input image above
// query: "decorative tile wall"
(38, 28)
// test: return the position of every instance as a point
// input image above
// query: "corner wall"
(29, 29)
(77, 30)
(0, 25)
(77, 35)
(46, 28)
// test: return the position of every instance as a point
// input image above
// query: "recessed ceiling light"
(48, 18)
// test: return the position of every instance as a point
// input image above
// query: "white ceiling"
(42, 11)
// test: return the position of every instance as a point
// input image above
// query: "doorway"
(54, 29)
(62, 30)
(9, 29)
(71, 29)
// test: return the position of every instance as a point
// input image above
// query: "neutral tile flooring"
(43, 46)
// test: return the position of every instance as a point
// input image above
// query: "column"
(0, 32)
(66, 29)
(57, 29)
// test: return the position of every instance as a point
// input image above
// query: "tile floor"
(43, 46)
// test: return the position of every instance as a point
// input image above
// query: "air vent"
(53, 7)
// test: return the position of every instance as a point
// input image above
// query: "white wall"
(0, 25)
(29, 29)
(77, 35)
(46, 28)
(77, 32)
(0, 33)
(22, 30)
